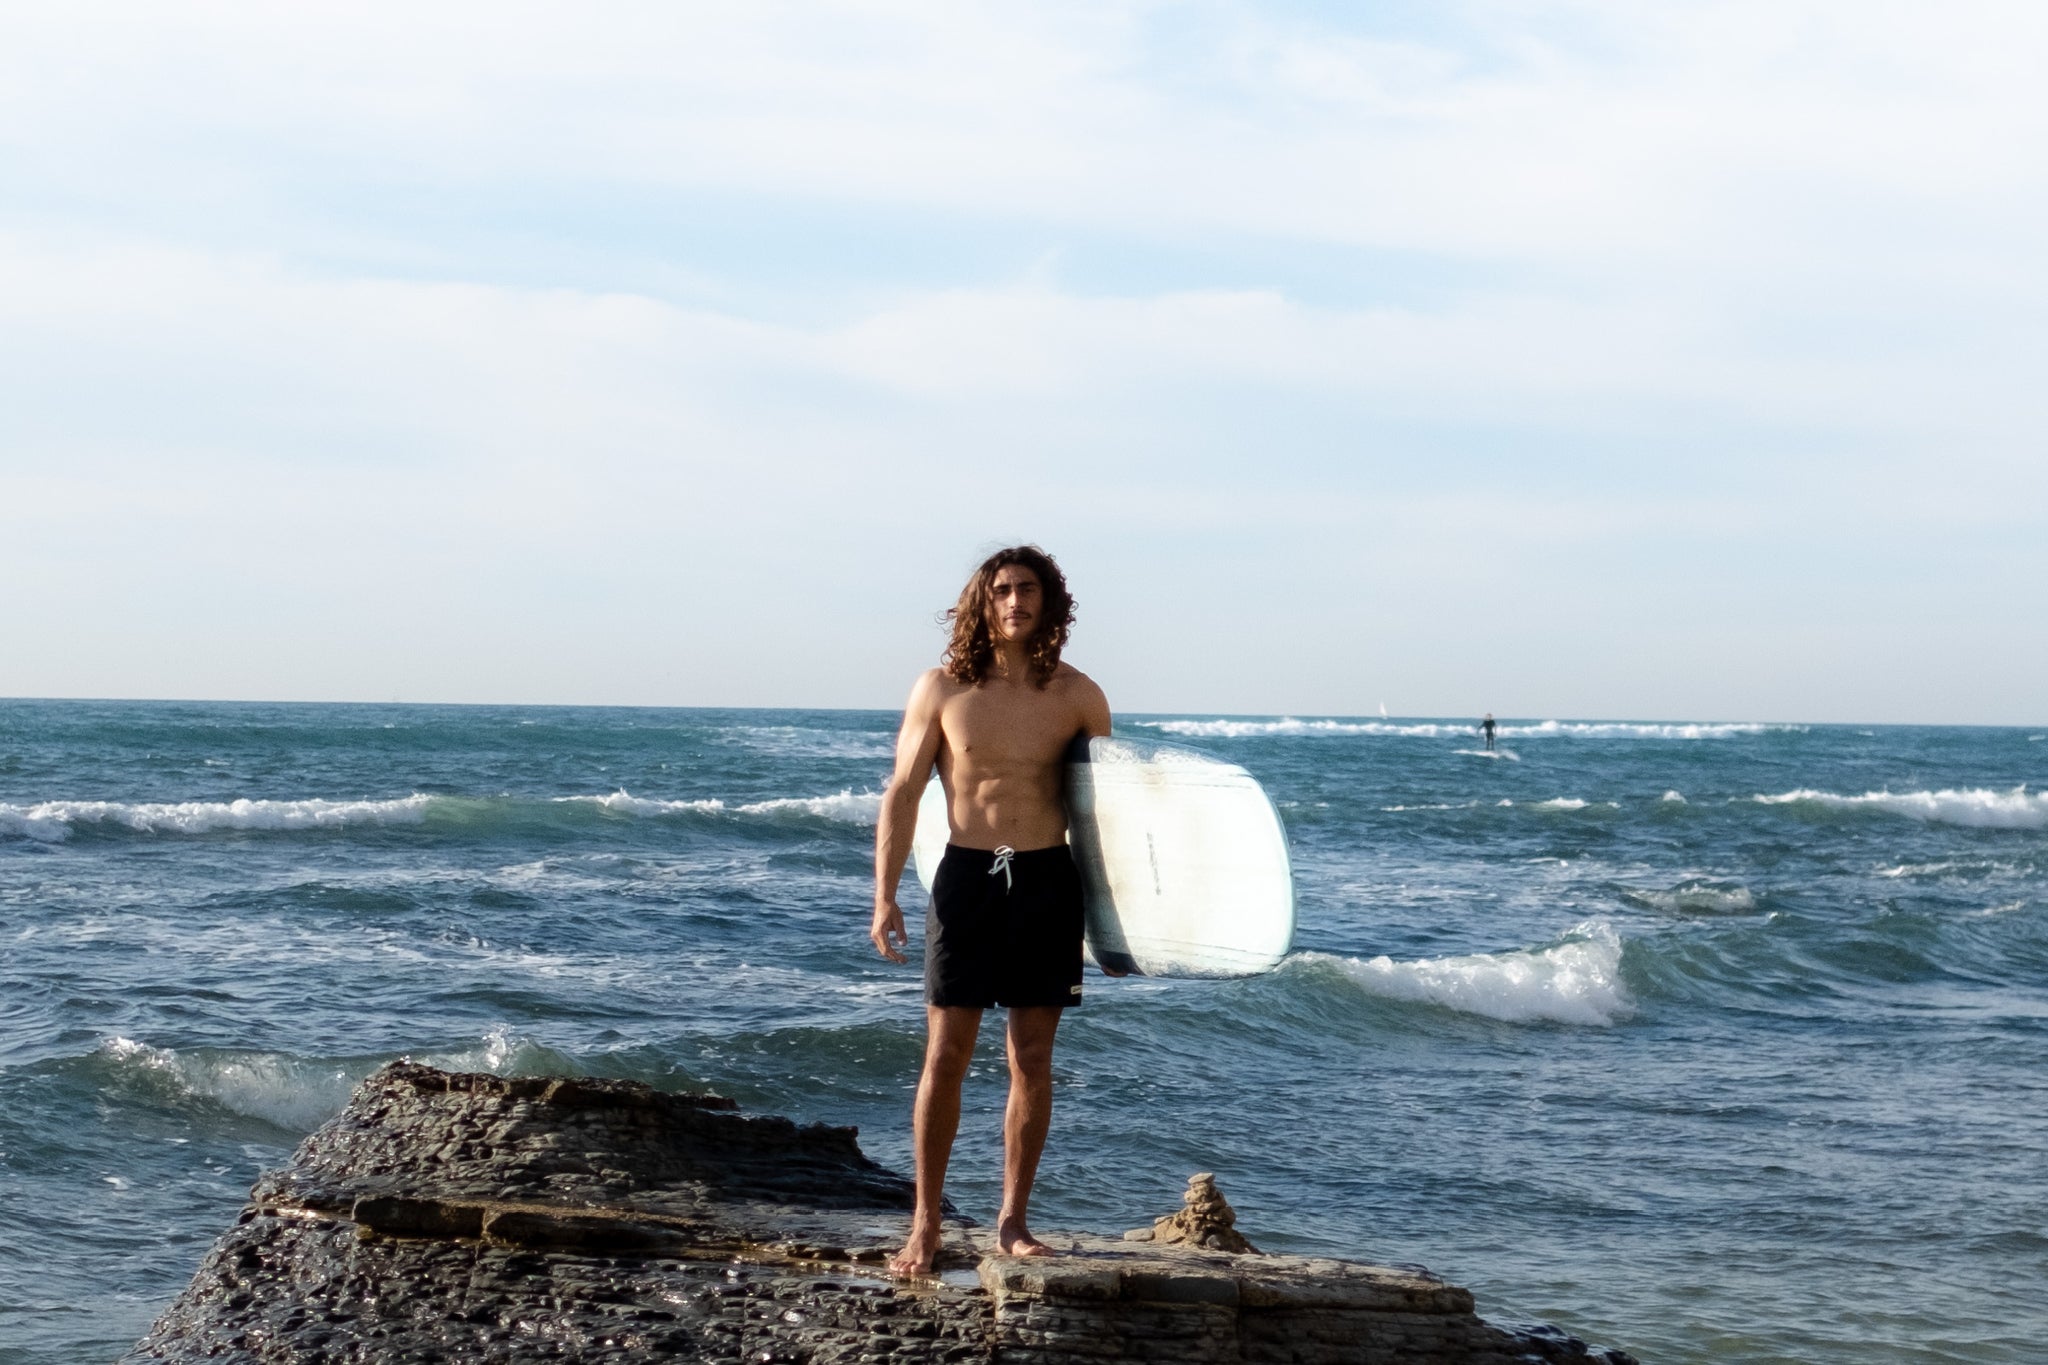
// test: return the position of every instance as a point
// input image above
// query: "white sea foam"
(1635, 730)
(1972, 869)
(1919, 869)
(848, 806)
(1979, 806)
(1674, 796)
(54, 821)
(1251, 729)
(1575, 981)
(852, 807)
(1288, 725)
(1994, 911)
(625, 803)
(1697, 898)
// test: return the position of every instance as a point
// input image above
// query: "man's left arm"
(1094, 710)
(1095, 725)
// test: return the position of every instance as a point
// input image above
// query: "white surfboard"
(1183, 860)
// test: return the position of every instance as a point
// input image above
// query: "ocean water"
(1712, 1041)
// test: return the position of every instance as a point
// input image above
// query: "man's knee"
(1030, 1043)
(948, 1065)
(949, 1049)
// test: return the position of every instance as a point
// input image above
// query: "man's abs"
(1014, 810)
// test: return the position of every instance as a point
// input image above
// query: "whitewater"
(1713, 1038)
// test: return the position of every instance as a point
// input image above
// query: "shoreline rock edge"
(469, 1217)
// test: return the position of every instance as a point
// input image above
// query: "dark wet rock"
(448, 1217)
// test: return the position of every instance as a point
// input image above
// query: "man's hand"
(888, 933)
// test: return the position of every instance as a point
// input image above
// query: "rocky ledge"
(453, 1217)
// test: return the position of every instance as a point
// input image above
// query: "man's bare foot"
(916, 1256)
(1016, 1240)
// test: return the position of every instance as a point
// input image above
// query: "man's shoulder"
(935, 684)
(1072, 683)
(1066, 675)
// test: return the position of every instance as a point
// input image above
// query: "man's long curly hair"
(971, 653)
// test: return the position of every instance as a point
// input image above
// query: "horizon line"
(1216, 713)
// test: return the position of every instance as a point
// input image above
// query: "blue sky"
(1554, 359)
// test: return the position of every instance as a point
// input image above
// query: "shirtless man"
(1004, 928)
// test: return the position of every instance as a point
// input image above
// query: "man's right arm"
(917, 748)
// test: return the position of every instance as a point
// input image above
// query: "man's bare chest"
(1013, 726)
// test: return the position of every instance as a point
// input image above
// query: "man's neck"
(1013, 661)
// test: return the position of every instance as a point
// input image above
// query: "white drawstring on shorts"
(1003, 855)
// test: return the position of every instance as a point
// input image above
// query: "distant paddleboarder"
(1486, 728)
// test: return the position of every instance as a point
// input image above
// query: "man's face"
(1015, 601)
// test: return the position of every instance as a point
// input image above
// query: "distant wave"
(1558, 803)
(1252, 729)
(56, 821)
(849, 806)
(1633, 730)
(1575, 981)
(53, 821)
(1979, 806)
(810, 742)
(625, 803)
(854, 808)
(1972, 869)
(1696, 898)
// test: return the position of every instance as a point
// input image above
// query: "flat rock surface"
(455, 1217)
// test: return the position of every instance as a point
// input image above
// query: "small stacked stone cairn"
(1205, 1220)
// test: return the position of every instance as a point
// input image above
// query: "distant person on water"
(1004, 926)
(1486, 727)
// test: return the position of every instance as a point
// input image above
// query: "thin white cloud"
(284, 282)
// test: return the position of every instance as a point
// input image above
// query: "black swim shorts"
(1004, 929)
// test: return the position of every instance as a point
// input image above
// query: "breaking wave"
(53, 822)
(294, 1093)
(1978, 806)
(848, 807)
(851, 807)
(1575, 981)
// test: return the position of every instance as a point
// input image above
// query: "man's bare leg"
(1026, 1118)
(950, 1032)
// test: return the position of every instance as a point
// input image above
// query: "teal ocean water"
(1712, 1041)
